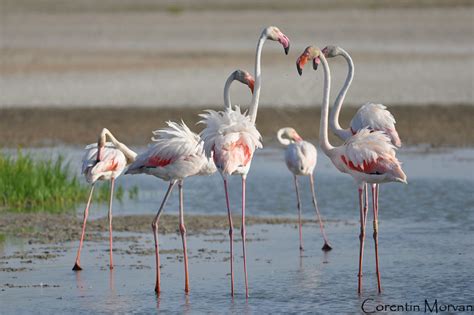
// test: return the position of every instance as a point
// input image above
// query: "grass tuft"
(27, 184)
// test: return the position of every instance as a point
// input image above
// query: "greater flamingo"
(176, 154)
(370, 115)
(369, 157)
(231, 138)
(103, 161)
(301, 157)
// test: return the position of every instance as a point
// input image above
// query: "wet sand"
(45, 228)
(433, 125)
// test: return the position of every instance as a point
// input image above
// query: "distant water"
(425, 235)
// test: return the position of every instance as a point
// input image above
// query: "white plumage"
(230, 138)
(300, 158)
(111, 165)
(376, 117)
(368, 146)
(176, 153)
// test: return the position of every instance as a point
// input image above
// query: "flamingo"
(231, 138)
(177, 154)
(301, 158)
(103, 161)
(368, 156)
(371, 115)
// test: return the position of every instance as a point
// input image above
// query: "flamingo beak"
(316, 62)
(250, 83)
(300, 62)
(297, 138)
(285, 41)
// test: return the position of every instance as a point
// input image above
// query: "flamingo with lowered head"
(301, 157)
(177, 154)
(103, 161)
(370, 115)
(231, 138)
(369, 157)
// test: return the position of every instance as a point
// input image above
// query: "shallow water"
(425, 236)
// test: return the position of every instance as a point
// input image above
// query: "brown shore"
(20, 127)
(46, 227)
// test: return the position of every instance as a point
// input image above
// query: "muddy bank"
(434, 125)
(55, 228)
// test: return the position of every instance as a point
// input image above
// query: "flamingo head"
(310, 53)
(331, 51)
(244, 77)
(274, 33)
(289, 133)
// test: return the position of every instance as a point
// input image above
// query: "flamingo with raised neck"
(368, 156)
(231, 139)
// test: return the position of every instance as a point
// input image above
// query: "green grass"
(27, 184)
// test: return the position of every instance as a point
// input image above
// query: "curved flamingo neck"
(285, 142)
(323, 127)
(130, 155)
(258, 79)
(336, 109)
(228, 83)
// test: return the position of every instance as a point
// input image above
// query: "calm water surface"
(426, 237)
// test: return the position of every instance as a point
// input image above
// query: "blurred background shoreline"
(68, 68)
(428, 126)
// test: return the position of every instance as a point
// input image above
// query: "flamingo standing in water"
(103, 161)
(301, 158)
(231, 138)
(368, 156)
(369, 115)
(177, 154)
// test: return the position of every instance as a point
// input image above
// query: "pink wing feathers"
(371, 152)
(170, 144)
(230, 138)
(113, 161)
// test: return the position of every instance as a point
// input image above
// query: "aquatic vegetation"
(28, 184)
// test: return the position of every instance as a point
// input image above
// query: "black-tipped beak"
(315, 64)
(300, 70)
(287, 49)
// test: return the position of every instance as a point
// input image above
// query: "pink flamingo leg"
(326, 247)
(244, 233)
(77, 265)
(154, 226)
(112, 182)
(299, 212)
(182, 229)
(375, 205)
(231, 235)
(366, 203)
(361, 238)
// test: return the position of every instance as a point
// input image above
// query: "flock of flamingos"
(230, 139)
